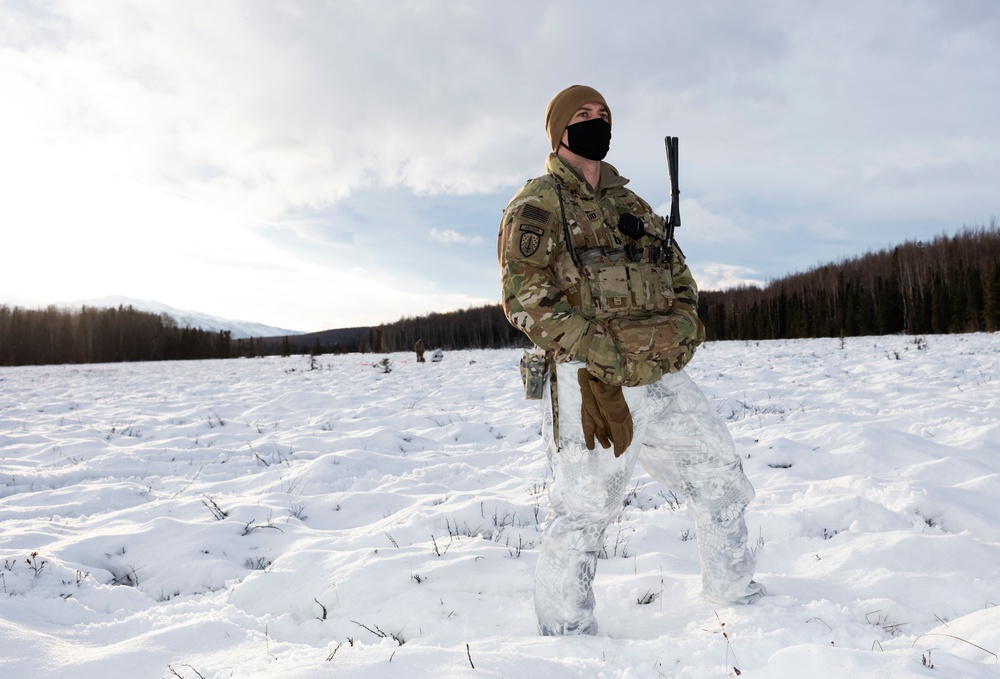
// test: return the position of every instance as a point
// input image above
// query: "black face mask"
(590, 139)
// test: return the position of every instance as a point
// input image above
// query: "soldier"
(419, 348)
(588, 277)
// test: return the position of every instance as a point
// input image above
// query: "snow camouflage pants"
(684, 445)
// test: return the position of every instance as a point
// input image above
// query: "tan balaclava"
(564, 105)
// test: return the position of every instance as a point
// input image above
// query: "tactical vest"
(618, 276)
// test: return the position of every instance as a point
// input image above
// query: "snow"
(255, 518)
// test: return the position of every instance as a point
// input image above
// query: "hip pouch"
(533, 368)
(651, 339)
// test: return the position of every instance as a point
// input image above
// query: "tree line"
(949, 285)
(338, 341)
(101, 335)
(483, 327)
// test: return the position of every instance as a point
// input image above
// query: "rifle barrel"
(673, 158)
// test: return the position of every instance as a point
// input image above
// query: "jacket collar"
(573, 178)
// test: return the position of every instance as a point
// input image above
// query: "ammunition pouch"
(534, 365)
(625, 289)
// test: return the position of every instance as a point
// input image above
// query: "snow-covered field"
(255, 518)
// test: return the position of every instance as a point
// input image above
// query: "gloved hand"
(593, 421)
(604, 414)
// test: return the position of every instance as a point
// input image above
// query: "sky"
(316, 165)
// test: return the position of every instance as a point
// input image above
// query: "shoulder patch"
(531, 237)
(535, 214)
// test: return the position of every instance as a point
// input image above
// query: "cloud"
(328, 137)
(702, 224)
(261, 107)
(452, 237)
(715, 276)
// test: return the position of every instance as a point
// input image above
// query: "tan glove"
(604, 414)
(590, 414)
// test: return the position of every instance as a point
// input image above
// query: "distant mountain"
(186, 319)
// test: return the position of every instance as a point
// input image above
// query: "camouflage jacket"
(580, 288)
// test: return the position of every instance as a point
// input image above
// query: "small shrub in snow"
(620, 545)
(127, 578)
(80, 577)
(647, 598)
(670, 498)
(250, 527)
(298, 511)
(260, 563)
(397, 637)
(730, 653)
(167, 597)
(217, 511)
(35, 564)
(437, 550)
(215, 420)
(123, 430)
(515, 550)
(323, 616)
(892, 629)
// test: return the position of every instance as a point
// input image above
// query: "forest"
(483, 327)
(948, 285)
(99, 335)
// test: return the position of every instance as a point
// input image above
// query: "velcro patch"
(531, 238)
(535, 214)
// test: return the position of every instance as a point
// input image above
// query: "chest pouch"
(625, 289)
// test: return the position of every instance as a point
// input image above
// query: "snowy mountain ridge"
(184, 318)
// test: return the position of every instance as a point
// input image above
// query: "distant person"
(588, 277)
(419, 348)
(437, 356)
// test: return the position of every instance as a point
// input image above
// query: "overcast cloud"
(328, 164)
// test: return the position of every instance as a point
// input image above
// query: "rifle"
(674, 220)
